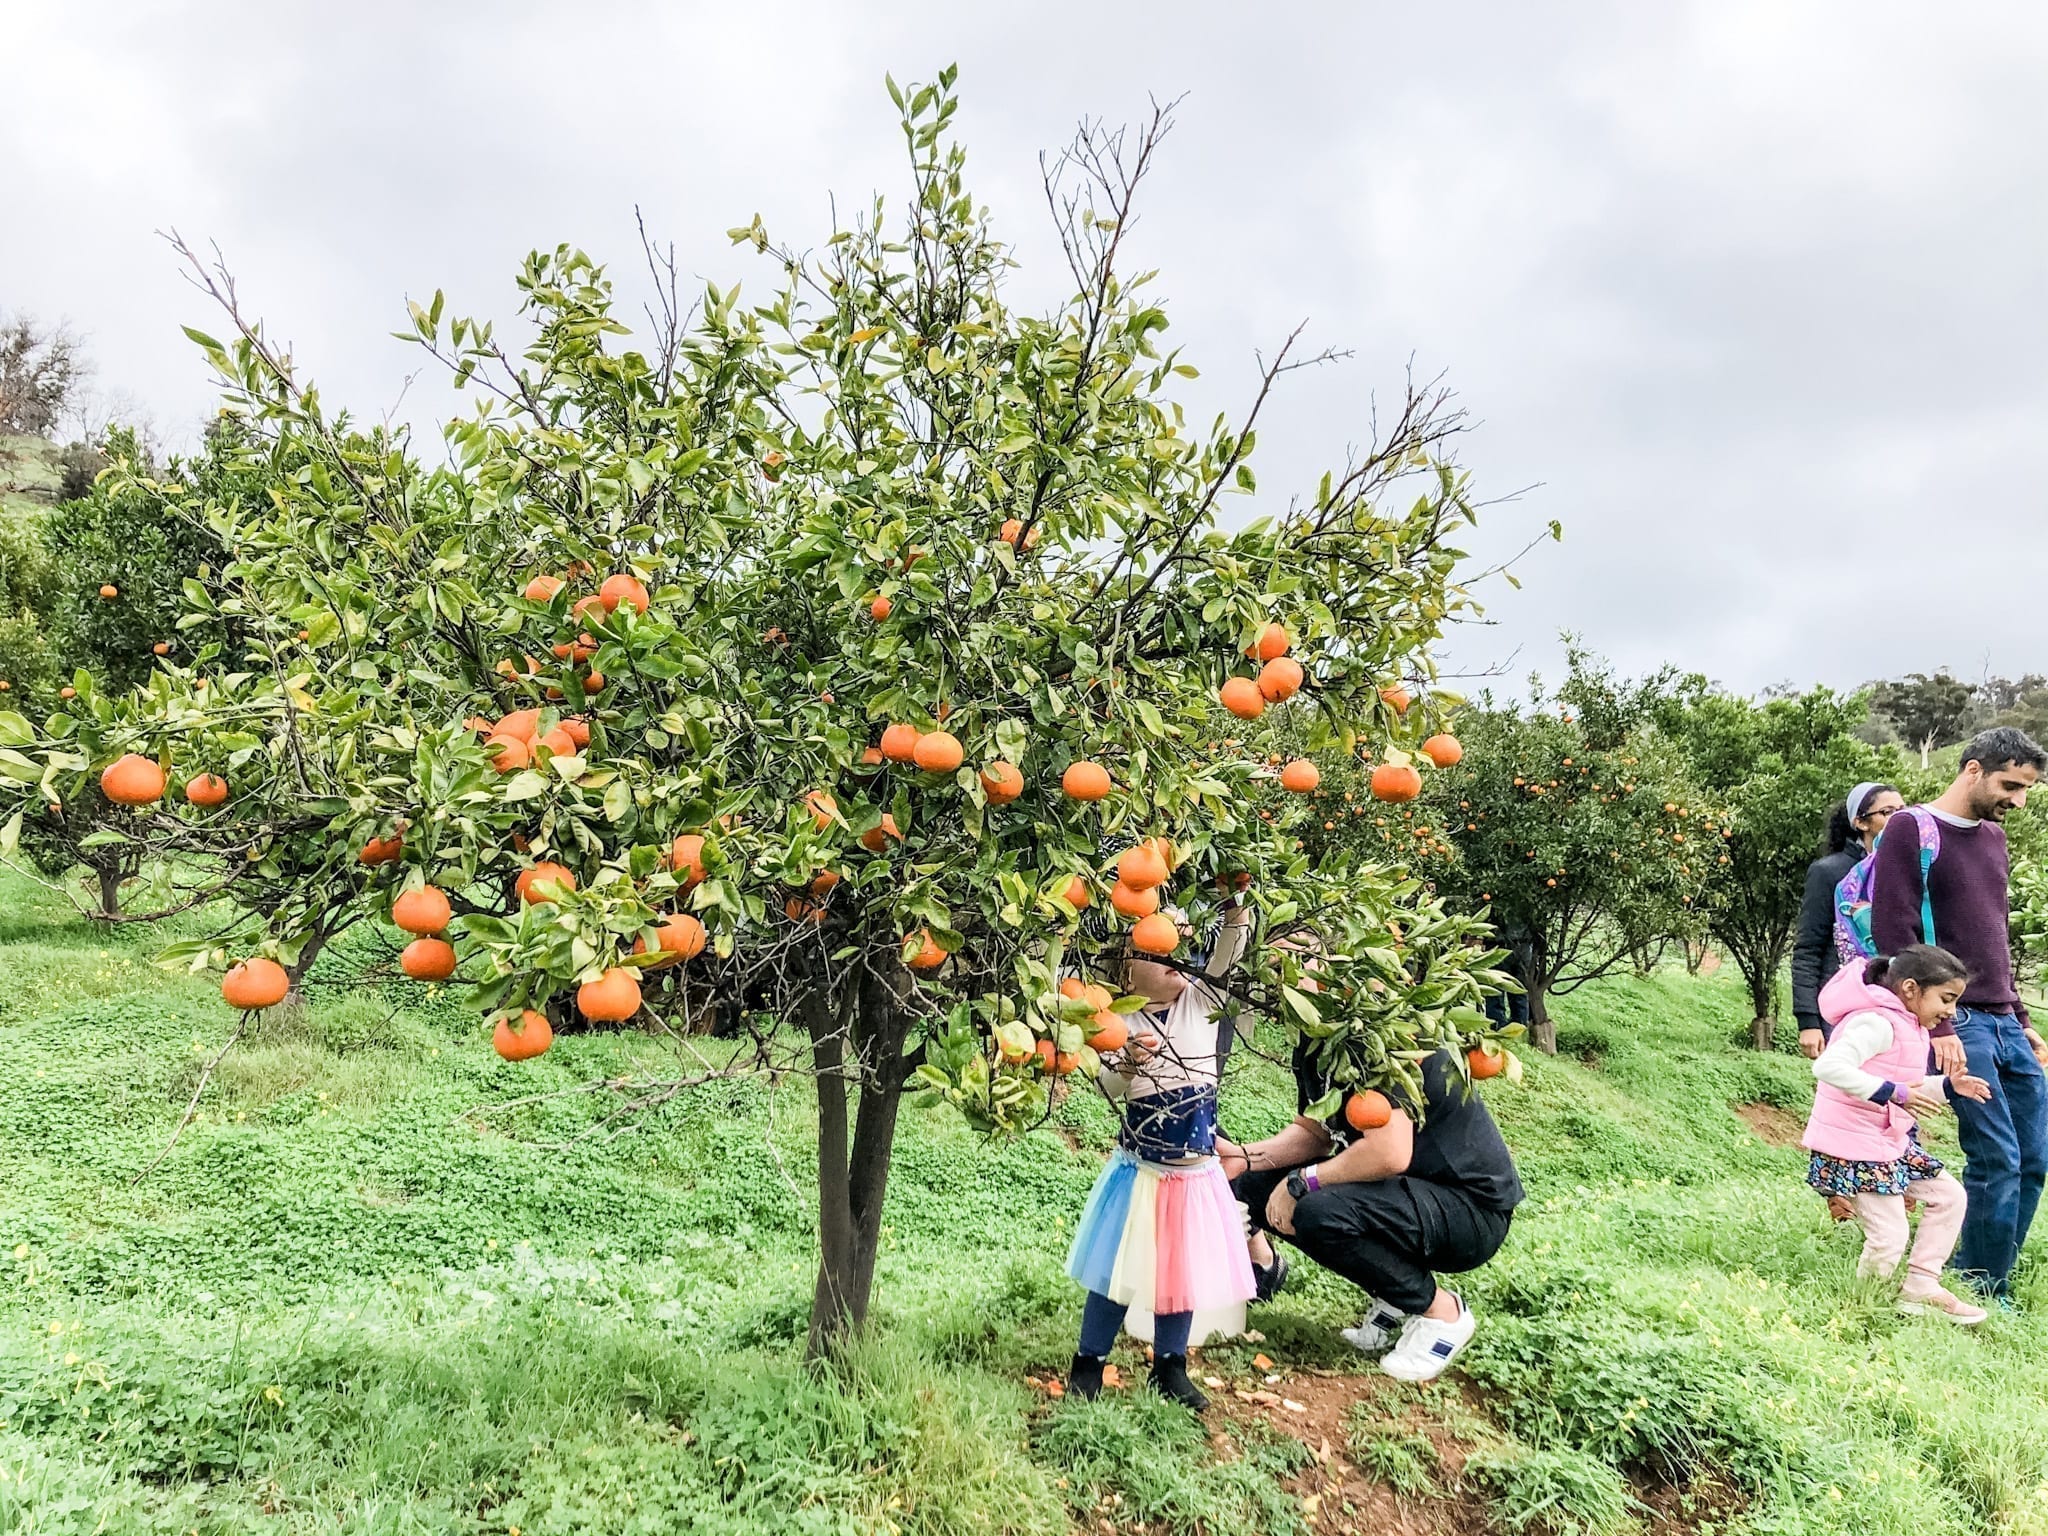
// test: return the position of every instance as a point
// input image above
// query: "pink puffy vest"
(1843, 1125)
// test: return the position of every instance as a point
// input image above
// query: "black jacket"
(1814, 957)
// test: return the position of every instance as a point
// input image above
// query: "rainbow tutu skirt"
(1170, 1239)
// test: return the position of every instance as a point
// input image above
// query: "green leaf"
(15, 731)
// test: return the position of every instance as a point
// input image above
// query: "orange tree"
(865, 626)
(1583, 839)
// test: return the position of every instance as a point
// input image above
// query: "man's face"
(1998, 790)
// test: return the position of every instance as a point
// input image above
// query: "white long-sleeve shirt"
(1855, 1040)
(1187, 1028)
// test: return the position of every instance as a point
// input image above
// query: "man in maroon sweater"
(2005, 1139)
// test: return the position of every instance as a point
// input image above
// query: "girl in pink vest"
(1873, 1078)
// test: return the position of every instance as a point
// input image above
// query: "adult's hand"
(2040, 1046)
(1950, 1056)
(1280, 1210)
(1235, 1160)
(1811, 1043)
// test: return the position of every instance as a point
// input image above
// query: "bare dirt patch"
(1774, 1126)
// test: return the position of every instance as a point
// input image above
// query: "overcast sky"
(1754, 295)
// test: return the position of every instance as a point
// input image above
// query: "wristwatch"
(1303, 1182)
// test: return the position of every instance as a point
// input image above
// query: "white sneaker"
(1381, 1327)
(1428, 1346)
(1943, 1303)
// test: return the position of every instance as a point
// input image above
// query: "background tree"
(882, 498)
(1927, 712)
(41, 367)
(1582, 838)
(1779, 767)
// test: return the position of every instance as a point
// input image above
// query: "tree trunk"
(308, 953)
(1761, 976)
(1542, 1029)
(111, 876)
(853, 1180)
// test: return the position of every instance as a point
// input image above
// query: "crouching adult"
(1390, 1208)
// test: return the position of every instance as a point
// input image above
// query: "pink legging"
(1885, 1231)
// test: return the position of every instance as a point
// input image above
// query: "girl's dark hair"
(1922, 963)
(1840, 829)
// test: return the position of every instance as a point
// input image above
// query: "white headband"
(1857, 796)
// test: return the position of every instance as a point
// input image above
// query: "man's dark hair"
(2004, 746)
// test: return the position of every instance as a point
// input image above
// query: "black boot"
(1084, 1378)
(1169, 1379)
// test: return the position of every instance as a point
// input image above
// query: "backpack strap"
(1929, 826)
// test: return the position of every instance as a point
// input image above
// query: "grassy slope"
(29, 475)
(337, 1301)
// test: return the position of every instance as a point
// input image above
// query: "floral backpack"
(1852, 892)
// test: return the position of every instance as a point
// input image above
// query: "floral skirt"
(1840, 1176)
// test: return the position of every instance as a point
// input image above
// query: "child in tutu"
(1873, 1078)
(1162, 1227)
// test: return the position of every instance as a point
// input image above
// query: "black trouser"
(1391, 1237)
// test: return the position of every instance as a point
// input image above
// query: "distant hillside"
(31, 469)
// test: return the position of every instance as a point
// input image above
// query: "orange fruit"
(161, 648)
(1077, 895)
(686, 858)
(928, 956)
(822, 808)
(1484, 1064)
(67, 692)
(592, 682)
(1141, 868)
(258, 982)
(1134, 903)
(542, 589)
(940, 752)
(521, 724)
(880, 609)
(1397, 696)
(384, 850)
(1155, 935)
(1085, 781)
(428, 959)
(423, 909)
(1368, 1111)
(613, 997)
(1272, 642)
(1241, 696)
(1280, 679)
(1444, 749)
(528, 1038)
(1395, 782)
(547, 873)
(585, 607)
(1013, 529)
(559, 742)
(797, 910)
(871, 757)
(678, 938)
(133, 780)
(577, 729)
(110, 593)
(875, 839)
(823, 881)
(1064, 1062)
(772, 462)
(508, 753)
(899, 742)
(1109, 1032)
(623, 588)
(207, 789)
(1300, 776)
(1002, 782)
(1072, 987)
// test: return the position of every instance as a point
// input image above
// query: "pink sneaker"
(1941, 1303)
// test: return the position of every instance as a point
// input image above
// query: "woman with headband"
(1852, 831)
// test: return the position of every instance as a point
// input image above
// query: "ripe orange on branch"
(1300, 776)
(258, 982)
(1241, 696)
(525, 1040)
(686, 858)
(1085, 781)
(1484, 1064)
(428, 959)
(623, 588)
(876, 839)
(679, 938)
(1444, 750)
(544, 874)
(927, 956)
(939, 752)
(1368, 1111)
(1131, 902)
(611, 999)
(1156, 935)
(899, 742)
(1273, 641)
(1395, 782)
(424, 909)
(1002, 782)
(1141, 868)
(1280, 679)
(1397, 697)
(206, 789)
(133, 780)
(542, 589)
(383, 850)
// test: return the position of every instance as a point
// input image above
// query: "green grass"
(339, 1304)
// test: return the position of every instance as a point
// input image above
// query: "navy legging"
(1102, 1320)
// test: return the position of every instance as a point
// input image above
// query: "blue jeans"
(2005, 1147)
